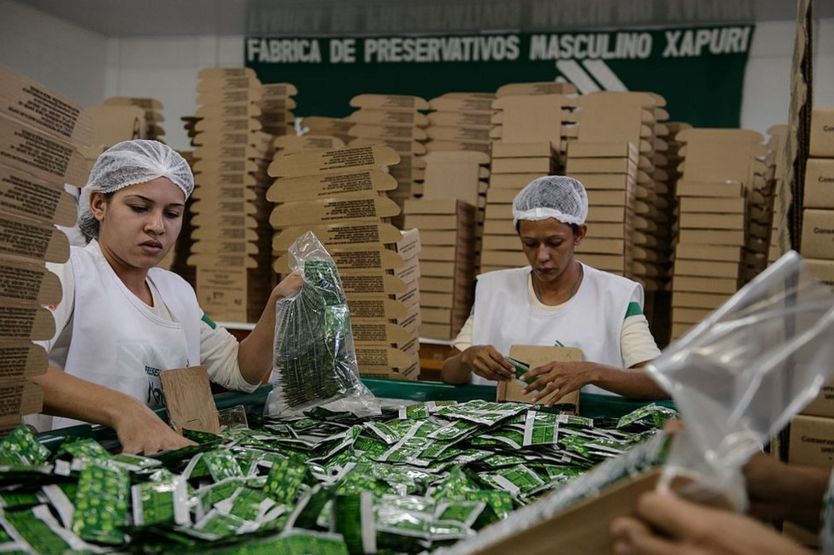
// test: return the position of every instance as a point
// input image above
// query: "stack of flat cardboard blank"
(232, 237)
(628, 117)
(780, 236)
(116, 123)
(341, 196)
(447, 263)
(320, 125)
(460, 121)
(40, 132)
(394, 121)
(277, 105)
(289, 144)
(817, 240)
(721, 172)
(609, 173)
(528, 135)
(152, 109)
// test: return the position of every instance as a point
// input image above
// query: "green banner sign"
(700, 71)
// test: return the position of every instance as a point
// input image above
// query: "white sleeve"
(218, 352)
(464, 339)
(62, 312)
(636, 341)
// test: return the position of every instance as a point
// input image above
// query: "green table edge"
(590, 404)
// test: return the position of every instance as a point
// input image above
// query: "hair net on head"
(552, 196)
(129, 163)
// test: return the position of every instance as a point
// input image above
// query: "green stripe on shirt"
(209, 322)
(633, 309)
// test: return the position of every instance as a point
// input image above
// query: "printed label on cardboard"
(354, 233)
(26, 100)
(333, 209)
(26, 322)
(297, 188)
(389, 102)
(32, 241)
(28, 282)
(396, 118)
(819, 182)
(23, 195)
(332, 161)
(818, 234)
(50, 159)
(22, 360)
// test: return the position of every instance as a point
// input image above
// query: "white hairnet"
(130, 163)
(552, 196)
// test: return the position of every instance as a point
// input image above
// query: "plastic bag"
(314, 357)
(741, 374)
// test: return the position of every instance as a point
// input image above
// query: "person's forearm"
(254, 356)
(71, 397)
(453, 371)
(632, 383)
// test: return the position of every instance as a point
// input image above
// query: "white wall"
(166, 68)
(61, 55)
(90, 67)
(767, 82)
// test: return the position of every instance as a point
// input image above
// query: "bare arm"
(483, 360)
(557, 379)
(138, 428)
(254, 357)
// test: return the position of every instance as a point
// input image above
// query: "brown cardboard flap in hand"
(32, 241)
(23, 195)
(19, 399)
(188, 399)
(26, 321)
(28, 282)
(27, 100)
(22, 359)
(31, 150)
(297, 188)
(535, 356)
(333, 161)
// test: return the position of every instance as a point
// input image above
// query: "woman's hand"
(487, 362)
(556, 379)
(666, 524)
(141, 431)
(288, 287)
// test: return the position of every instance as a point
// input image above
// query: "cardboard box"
(733, 237)
(822, 133)
(599, 165)
(22, 360)
(683, 315)
(535, 356)
(709, 301)
(811, 441)
(606, 181)
(541, 166)
(30, 102)
(696, 284)
(823, 270)
(819, 183)
(724, 188)
(712, 206)
(515, 181)
(36, 242)
(712, 221)
(818, 234)
(703, 268)
(532, 118)
(719, 253)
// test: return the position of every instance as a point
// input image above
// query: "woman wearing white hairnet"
(122, 321)
(556, 301)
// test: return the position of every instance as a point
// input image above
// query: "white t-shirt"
(218, 348)
(507, 312)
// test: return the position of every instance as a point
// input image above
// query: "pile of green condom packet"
(414, 479)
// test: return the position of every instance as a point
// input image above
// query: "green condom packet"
(21, 448)
(284, 481)
(540, 428)
(652, 415)
(353, 518)
(101, 503)
(38, 530)
(155, 503)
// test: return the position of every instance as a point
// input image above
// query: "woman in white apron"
(122, 320)
(556, 301)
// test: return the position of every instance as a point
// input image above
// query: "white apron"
(117, 340)
(592, 320)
